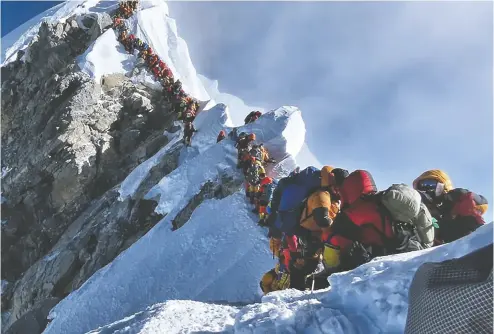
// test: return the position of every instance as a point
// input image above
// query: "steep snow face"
(151, 24)
(370, 299)
(19, 38)
(218, 255)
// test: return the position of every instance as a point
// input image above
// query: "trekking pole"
(313, 281)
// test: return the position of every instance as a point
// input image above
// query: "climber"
(122, 37)
(189, 116)
(303, 207)
(189, 130)
(261, 153)
(276, 279)
(267, 187)
(177, 90)
(458, 211)
(243, 145)
(373, 223)
(252, 116)
(291, 196)
(221, 136)
(152, 59)
(253, 176)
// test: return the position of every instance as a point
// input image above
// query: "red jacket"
(361, 222)
(221, 136)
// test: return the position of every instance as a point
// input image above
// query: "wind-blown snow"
(372, 298)
(238, 109)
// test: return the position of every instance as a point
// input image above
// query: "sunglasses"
(427, 184)
(430, 186)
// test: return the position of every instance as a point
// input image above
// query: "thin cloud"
(396, 88)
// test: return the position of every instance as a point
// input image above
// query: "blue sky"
(15, 13)
(392, 87)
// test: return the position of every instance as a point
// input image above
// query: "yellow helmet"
(326, 176)
(267, 280)
(437, 175)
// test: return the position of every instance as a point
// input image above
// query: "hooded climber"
(261, 153)
(221, 136)
(373, 223)
(189, 130)
(303, 206)
(266, 190)
(253, 176)
(244, 144)
(458, 211)
(252, 116)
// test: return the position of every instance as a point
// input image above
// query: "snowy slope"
(370, 299)
(219, 245)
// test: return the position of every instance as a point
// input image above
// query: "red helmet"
(266, 180)
(252, 136)
(150, 50)
(132, 36)
(222, 132)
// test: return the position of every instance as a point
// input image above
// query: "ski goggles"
(431, 186)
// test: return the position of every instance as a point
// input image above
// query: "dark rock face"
(67, 144)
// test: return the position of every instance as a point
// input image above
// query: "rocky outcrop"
(67, 142)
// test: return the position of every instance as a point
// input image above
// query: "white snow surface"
(372, 298)
(162, 318)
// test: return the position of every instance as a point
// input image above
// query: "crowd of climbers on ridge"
(184, 105)
(324, 221)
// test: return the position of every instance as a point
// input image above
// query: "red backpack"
(357, 184)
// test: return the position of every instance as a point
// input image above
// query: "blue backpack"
(294, 193)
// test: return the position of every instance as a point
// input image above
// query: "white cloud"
(396, 88)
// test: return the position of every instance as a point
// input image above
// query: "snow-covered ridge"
(370, 299)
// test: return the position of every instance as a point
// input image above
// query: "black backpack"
(256, 152)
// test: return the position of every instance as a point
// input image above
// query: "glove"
(331, 256)
(274, 246)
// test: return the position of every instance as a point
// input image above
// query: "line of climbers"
(327, 221)
(251, 158)
(184, 105)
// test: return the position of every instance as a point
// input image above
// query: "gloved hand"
(331, 256)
